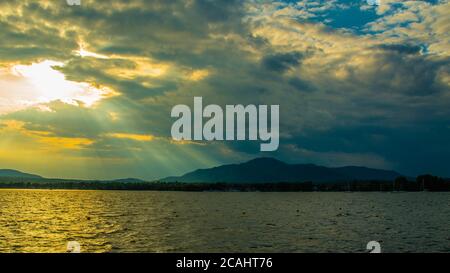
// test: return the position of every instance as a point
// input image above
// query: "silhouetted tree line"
(432, 183)
(422, 183)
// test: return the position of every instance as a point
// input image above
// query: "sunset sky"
(86, 91)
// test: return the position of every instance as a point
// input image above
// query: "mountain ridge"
(15, 173)
(270, 170)
(258, 170)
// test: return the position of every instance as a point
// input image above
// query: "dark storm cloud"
(404, 72)
(301, 85)
(344, 99)
(282, 62)
(401, 48)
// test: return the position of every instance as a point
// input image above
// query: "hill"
(270, 170)
(14, 173)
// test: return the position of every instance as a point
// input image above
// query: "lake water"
(121, 221)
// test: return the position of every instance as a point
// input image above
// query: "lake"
(130, 221)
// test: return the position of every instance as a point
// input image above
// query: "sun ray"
(40, 83)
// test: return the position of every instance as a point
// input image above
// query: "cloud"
(136, 137)
(282, 62)
(401, 48)
(348, 81)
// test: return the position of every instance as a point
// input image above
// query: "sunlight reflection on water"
(121, 221)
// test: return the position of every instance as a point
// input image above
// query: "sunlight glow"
(40, 83)
(84, 53)
(136, 137)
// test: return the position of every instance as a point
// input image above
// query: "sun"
(43, 82)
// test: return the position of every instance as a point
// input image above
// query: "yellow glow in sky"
(84, 53)
(40, 83)
(136, 137)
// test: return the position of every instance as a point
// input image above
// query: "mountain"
(6, 175)
(14, 173)
(270, 170)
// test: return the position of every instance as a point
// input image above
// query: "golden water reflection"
(127, 221)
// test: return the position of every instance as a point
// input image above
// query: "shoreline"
(204, 188)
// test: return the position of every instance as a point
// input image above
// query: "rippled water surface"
(122, 221)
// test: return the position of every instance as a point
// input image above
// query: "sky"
(86, 91)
